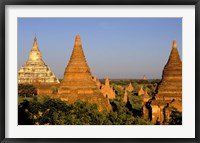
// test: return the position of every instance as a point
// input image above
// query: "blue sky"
(117, 47)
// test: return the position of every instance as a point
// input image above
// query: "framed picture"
(104, 71)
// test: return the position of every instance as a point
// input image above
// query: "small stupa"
(145, 100)
(146, 97)
(35, 70)
(107, 90)
(169, 91)
(129, 88)
(144, 77)
(125, 98)
(77, 83)
(141, 91)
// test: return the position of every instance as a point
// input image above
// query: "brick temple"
(107, 90)
(169, 91)
(77, 83)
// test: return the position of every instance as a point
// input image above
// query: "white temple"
(35, 70)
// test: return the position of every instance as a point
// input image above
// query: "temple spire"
(141, 91)
(174, 44)
(35, 45)
(77, 71)
(35, 54)
(78, 41)
(125, 98)
(107, 80)
(35, 41)
(129, 88)
(77, 62)
(174, 55)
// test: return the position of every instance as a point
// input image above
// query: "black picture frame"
(3, 4)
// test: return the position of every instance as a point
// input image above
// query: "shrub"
(26, 90)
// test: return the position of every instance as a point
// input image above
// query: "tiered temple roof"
(169, 91)
(170, 86)
(35, 70)
(77, 83)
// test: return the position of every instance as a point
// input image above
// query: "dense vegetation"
(48, 111)
(40, 110)
(26, 90)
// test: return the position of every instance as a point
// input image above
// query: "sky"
(122, 48)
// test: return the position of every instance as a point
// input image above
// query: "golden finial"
(174, 44)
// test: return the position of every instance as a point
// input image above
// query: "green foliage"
(150, 89)
(84, 113)
(56, 112)
(141, 121)
(54, 89)
(120, 114)
(26, 90)
(175, 118)
(136, 87)
(42, 112)
(119, 89)
(136, 105)
(21, 99)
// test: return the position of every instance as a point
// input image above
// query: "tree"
(120, 114)
(175, 118)
(141, 121)
(26, 90)
(56, 112)
(51, 111)
(54, 89)
(135, 105)
(84, 113)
